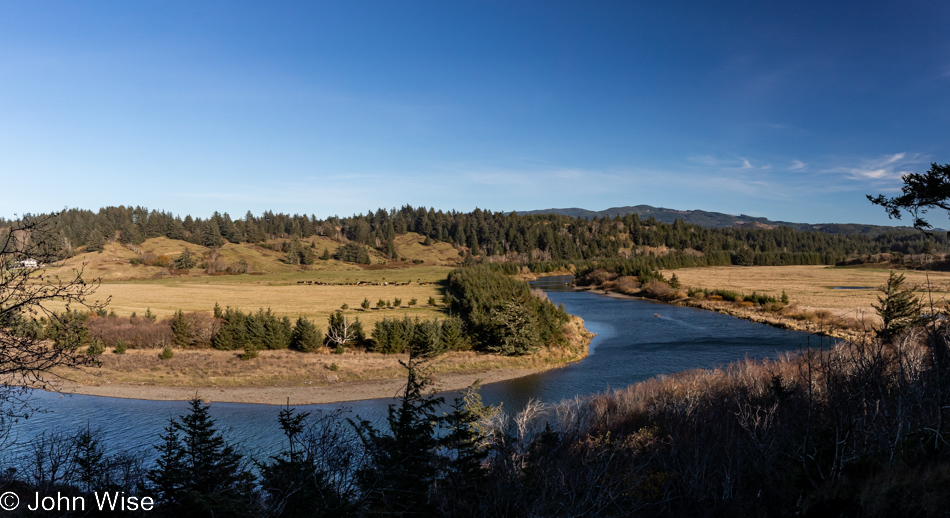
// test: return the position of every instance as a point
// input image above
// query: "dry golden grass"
(410, 247)
(811, 287)
(271, 368)
(113, 263)
(209, 367)
(271, 283)
(293, 300)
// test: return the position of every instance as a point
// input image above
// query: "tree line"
(483, 233)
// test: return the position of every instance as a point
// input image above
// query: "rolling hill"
(719, 219)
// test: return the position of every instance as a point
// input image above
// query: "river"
(636, 340)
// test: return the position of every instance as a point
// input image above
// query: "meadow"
(813, 287)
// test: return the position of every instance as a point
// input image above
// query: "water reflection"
(636, 339)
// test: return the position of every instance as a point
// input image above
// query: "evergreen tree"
(897, 306)
(365, 304)
(95, 242)
(180, 329)
(306, 337)
(186, 260)
(296, 482)
(403, 462)
(453, 333)
(463, 469)
(198, 473)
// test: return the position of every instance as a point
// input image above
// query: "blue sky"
(790, 112)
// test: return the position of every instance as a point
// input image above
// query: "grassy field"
(282, 297)
(813, 286)
(271, 283)
(313, 291)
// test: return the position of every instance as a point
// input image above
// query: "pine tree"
(897, 305)
(95, 242)
(463, 470)
(365, 304)
(295, 482)
(198, 473)
(180, 329)
(306, 337)
(403, 462)
(185, 260)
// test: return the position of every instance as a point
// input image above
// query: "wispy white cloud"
(882, 169)
(797, 165)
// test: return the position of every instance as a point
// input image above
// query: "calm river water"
(635, 340)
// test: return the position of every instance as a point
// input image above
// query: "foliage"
(197, 473)
(897, 306)
(28, 293)
(261, 330)
(920, 193)
(402, 462)
(352, 253)
(180, 329)
(540, 241)
(309, 476)
(186, 260)
(306, 337)
(500, 313)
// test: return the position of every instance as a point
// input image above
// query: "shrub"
(96, 347)
(167, 353)
(134, 332)
(627, 284)
(120, 347)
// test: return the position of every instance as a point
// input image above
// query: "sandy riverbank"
(297, 394)
(316, 378)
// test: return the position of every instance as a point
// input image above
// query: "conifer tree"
(180, 329)
(198, 473)
(185, 261)
(306, 337)
(463, 470)
(403, 462)
(897, 306)
(295, 481)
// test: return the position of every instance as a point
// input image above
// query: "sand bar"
(298, 394)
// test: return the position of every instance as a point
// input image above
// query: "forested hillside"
(489, 235)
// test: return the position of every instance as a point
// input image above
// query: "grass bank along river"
(632, 344)
(274, 376)
(816, 302)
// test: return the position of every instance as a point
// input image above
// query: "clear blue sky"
(791, 112)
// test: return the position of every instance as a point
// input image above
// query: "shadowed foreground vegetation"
(857, 429)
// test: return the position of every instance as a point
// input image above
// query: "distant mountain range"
(720, 220)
